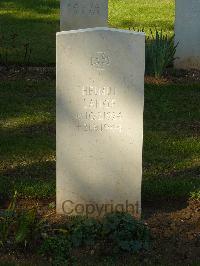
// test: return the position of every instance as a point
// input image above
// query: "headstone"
(187, 34)
(100, 95)
(80, 14)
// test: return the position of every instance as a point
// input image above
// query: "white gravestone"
(187, 33)
(80, 14)
(100, 95)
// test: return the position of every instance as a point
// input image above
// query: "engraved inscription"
(94, 91)
(96, 103)
(100, 127)
(94, 9)
(77, 8)
(98, 114)
(100, 60)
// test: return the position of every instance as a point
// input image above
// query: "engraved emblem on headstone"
(100, 60)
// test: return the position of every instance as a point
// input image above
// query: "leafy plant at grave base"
(57, 248)
(9, 50)
(160, 53)
(77, 232)
(125, 233)
(115, 232)
(118, 231)
(84, 231)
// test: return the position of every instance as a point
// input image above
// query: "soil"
(27, 73)
(171, 76)
(35, 73)
(176, 234)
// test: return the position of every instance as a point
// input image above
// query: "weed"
(10, 49)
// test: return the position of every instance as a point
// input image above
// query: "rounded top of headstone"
(101, 29)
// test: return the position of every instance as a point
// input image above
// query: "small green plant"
(160, 53)
(57, 248)
(19, 227)
(7, 220)
(26, 222)
(125, 233)
(84, 231)
(195, 195)
(60, 242)
(28, 228)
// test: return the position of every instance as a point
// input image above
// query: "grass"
(36, 23)
(142, 14)
(27, 140)
(171, 142)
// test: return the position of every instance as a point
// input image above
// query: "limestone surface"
(187, 34)
(80, 14)
(100, 100)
